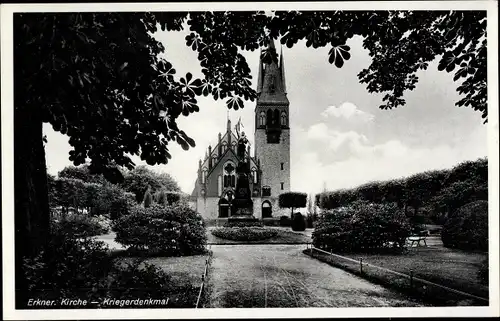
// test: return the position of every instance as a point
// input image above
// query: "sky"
(339, 136)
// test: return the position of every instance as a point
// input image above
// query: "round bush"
(244, 233)
(467, 228)
(298, 222)
(362, 227)
(169, 230)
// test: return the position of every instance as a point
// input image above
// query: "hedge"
(285, 221)
(441, 191)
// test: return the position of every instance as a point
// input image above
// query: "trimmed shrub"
(285, 221)
(244, 233)
(169, 230)
(298, 222)
(81, 225)
(362, 227)
(292, 200)
(467, 229)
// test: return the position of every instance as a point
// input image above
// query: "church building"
(269, 165)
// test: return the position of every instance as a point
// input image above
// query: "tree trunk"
(32, 215)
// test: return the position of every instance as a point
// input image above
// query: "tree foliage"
(140, 178)
(90, 72)
(95, 198)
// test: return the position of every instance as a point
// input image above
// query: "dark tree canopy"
(98, 77)
(292, 200)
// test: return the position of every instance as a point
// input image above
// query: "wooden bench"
(417, 239)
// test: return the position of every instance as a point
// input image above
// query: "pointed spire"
(228, 123)
(282, 69)
(261, 74)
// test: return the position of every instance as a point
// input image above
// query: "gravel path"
(260, 276)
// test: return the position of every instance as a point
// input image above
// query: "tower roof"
(271, 86)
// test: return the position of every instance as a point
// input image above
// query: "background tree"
(148, 198)
(292, 200)
(141, 178)
(98, 78)
(160, 197)
(310, 205)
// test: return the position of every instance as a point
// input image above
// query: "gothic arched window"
(204, 176)
(229, 174)
(269, 117)
(224, 147)
(276, 117)
(283, 118)
(262, 119)
(254, 175)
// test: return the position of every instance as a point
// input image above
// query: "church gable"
(215, 178)
(214, 155)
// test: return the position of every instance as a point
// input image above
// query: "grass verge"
(425, 264)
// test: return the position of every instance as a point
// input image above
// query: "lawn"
(283, 237)
(452, 268)
(186, 273)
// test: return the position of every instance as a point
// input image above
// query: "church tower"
(272, 131)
